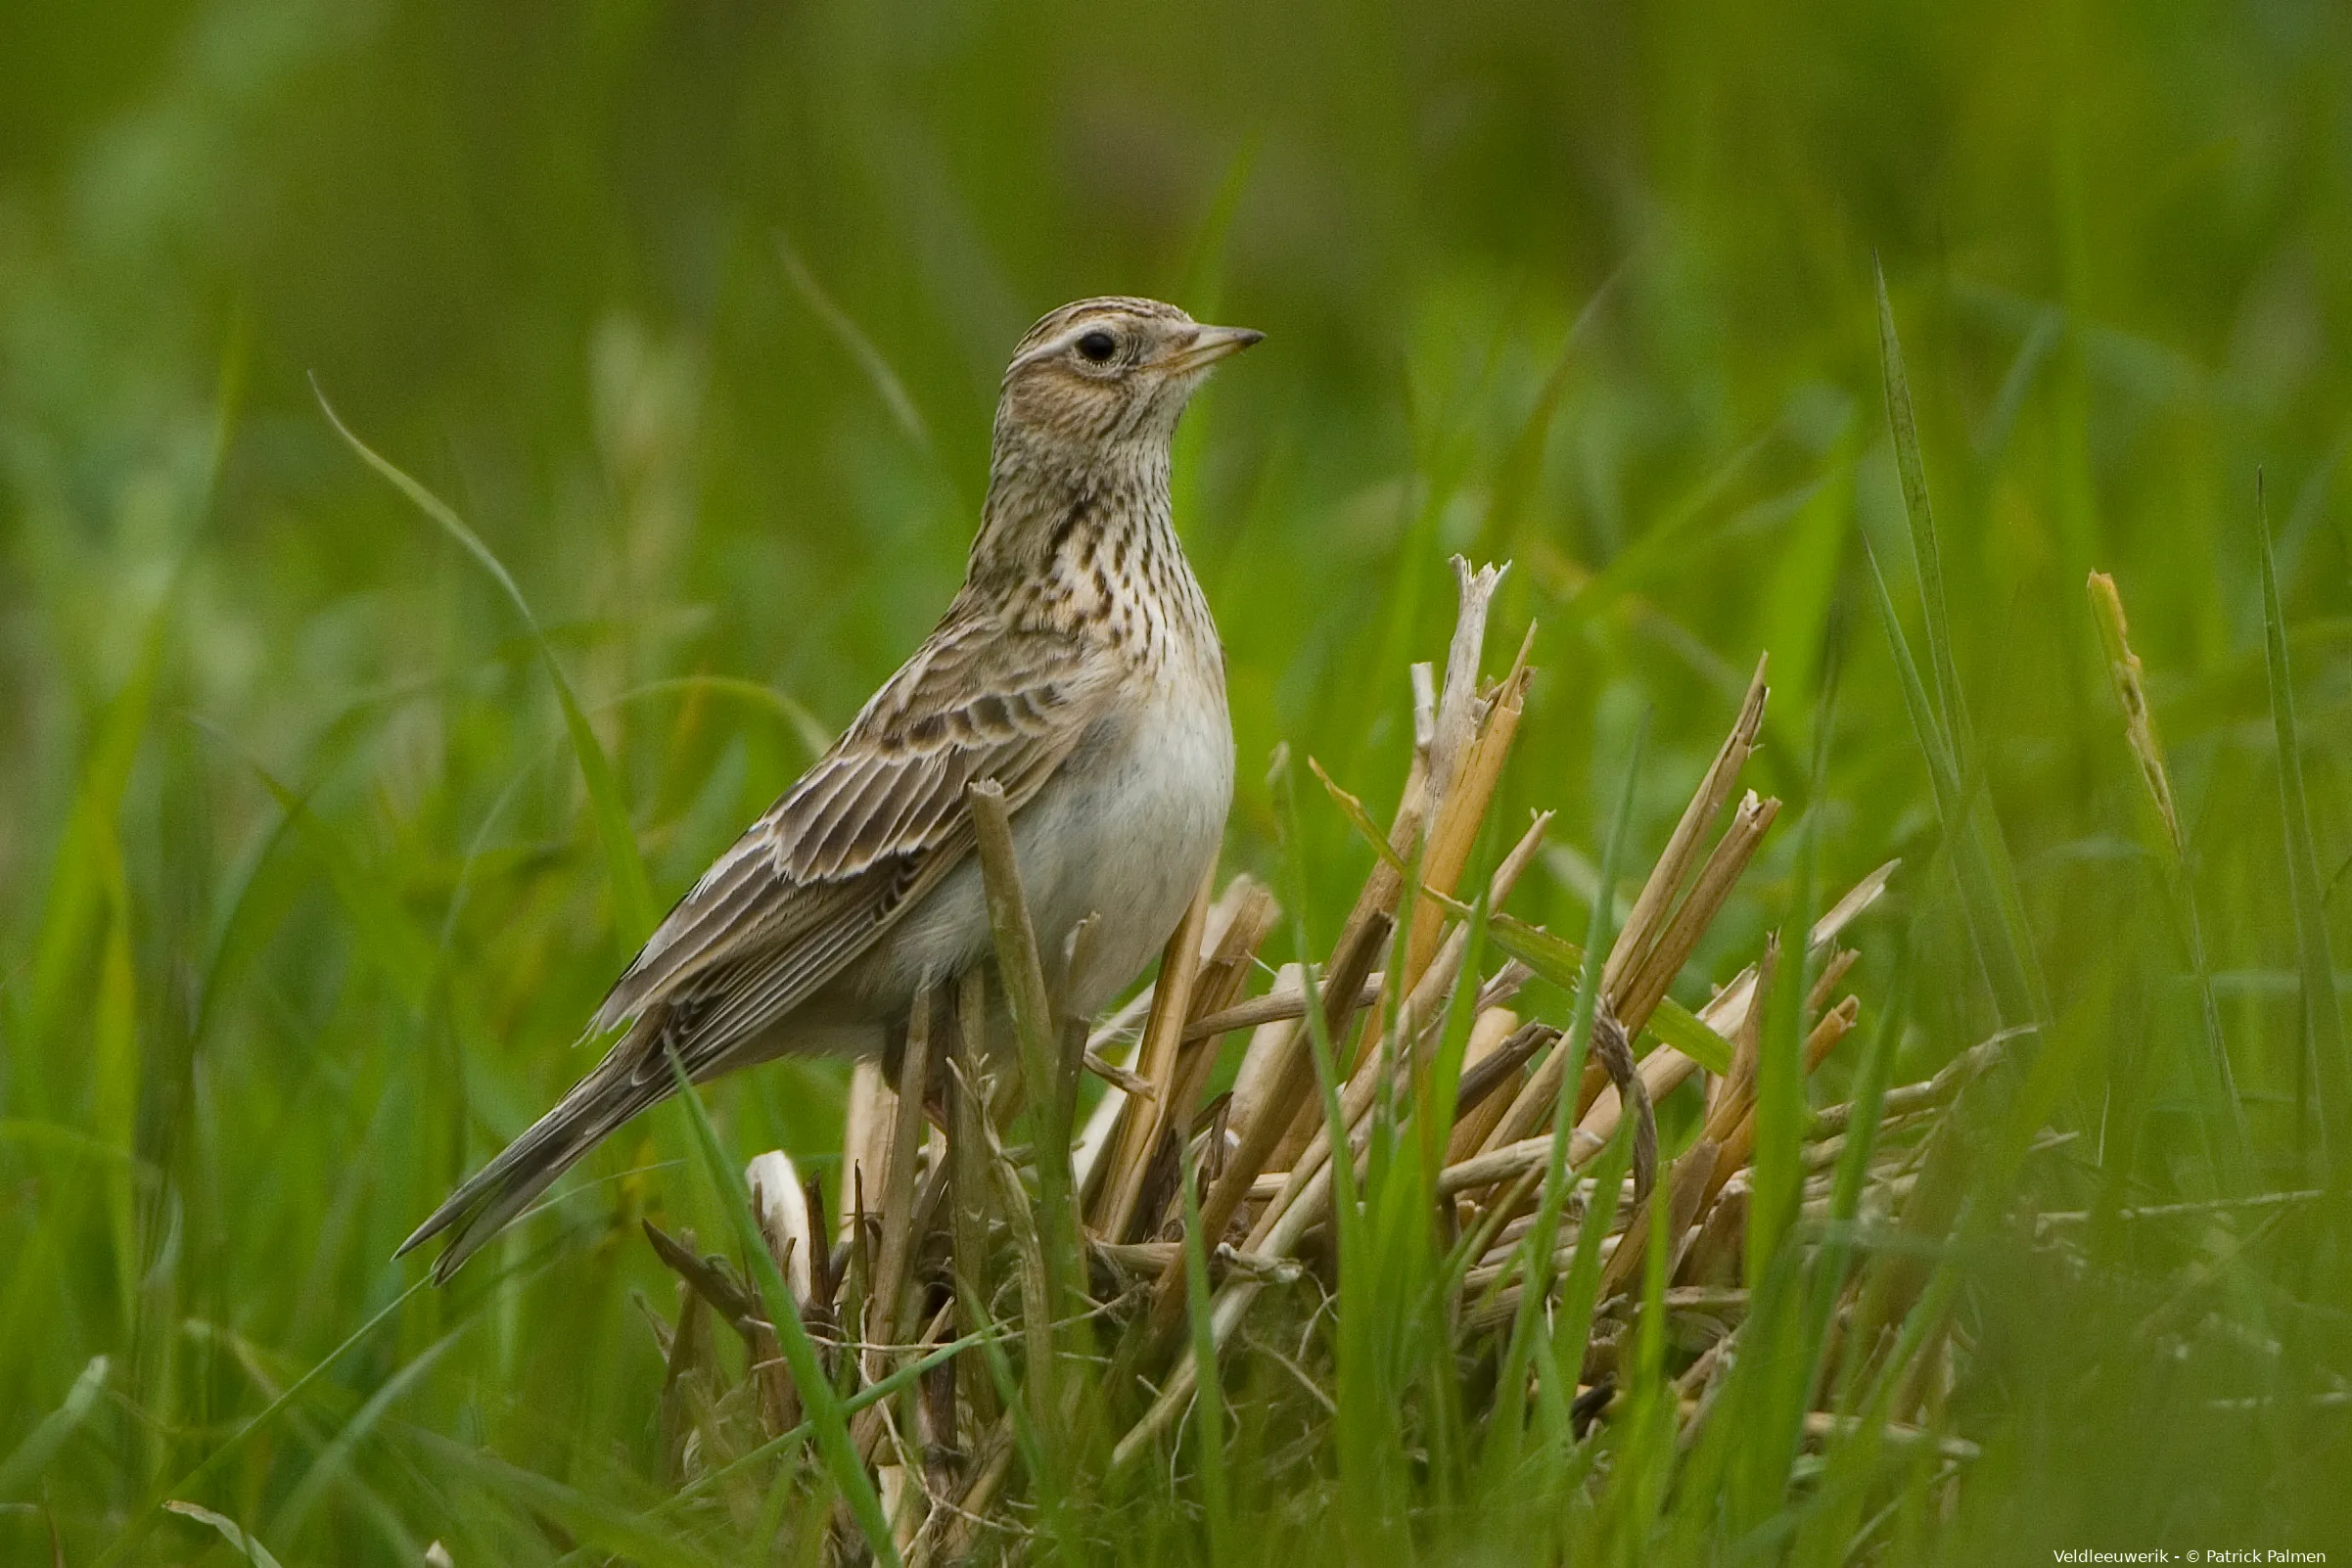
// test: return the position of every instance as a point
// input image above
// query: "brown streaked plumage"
(1077, 667)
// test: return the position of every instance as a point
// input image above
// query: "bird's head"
(1102, 374)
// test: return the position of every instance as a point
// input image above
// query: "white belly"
(1142, 826)
(1125, 830)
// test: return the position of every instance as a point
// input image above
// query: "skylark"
(1077, 667)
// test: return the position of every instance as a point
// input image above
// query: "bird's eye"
(1098, 347)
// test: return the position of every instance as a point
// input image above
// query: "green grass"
(320, 840)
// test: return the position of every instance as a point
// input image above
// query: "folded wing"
(854, 843)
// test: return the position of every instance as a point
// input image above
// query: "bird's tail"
(502, 1190)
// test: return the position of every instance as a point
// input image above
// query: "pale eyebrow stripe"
(1054, 344)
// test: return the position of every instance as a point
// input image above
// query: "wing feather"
(874, 820)
(872, 827)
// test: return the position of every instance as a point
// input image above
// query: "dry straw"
(972, 1246)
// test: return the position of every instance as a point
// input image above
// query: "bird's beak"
(1209, 344)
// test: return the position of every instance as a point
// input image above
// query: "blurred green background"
(695, 312)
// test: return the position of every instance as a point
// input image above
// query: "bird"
(1077, 667)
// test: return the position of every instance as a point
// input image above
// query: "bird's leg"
(1078, 956)
(942, 1018)
(894, 1051)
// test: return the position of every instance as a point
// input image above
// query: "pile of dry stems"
(945, 1229)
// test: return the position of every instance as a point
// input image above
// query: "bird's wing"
(874, 824)
(850, 847)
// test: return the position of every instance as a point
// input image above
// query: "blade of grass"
(1562, 963)
(383, 929)
(1913, 472)
(1209, 1411)
(597, 1522)
(288, 1522)
(244, 1545)
(1775, 1174)
(873, 363)
(1580, 1292)
(1650, 1453)
(1536, 1254)
(89, 898)
(968, 1178)
(31, 1456)
(1761, 1399)
(1773, 1377)
(632, 894)
(117, 1064)
(1437, 1085)
(1044, 1104)
(1520, 470)
(1555, 958)
(2020, 1114)
(142, 1520)
(1831, 1264)
(1010, 1394)
(1369, 1441)
(1980, 857)
(792, 1438)
(2124, 675)
(817, 1396)
(2322, 1020)
(860, 347)
(1981, 904)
